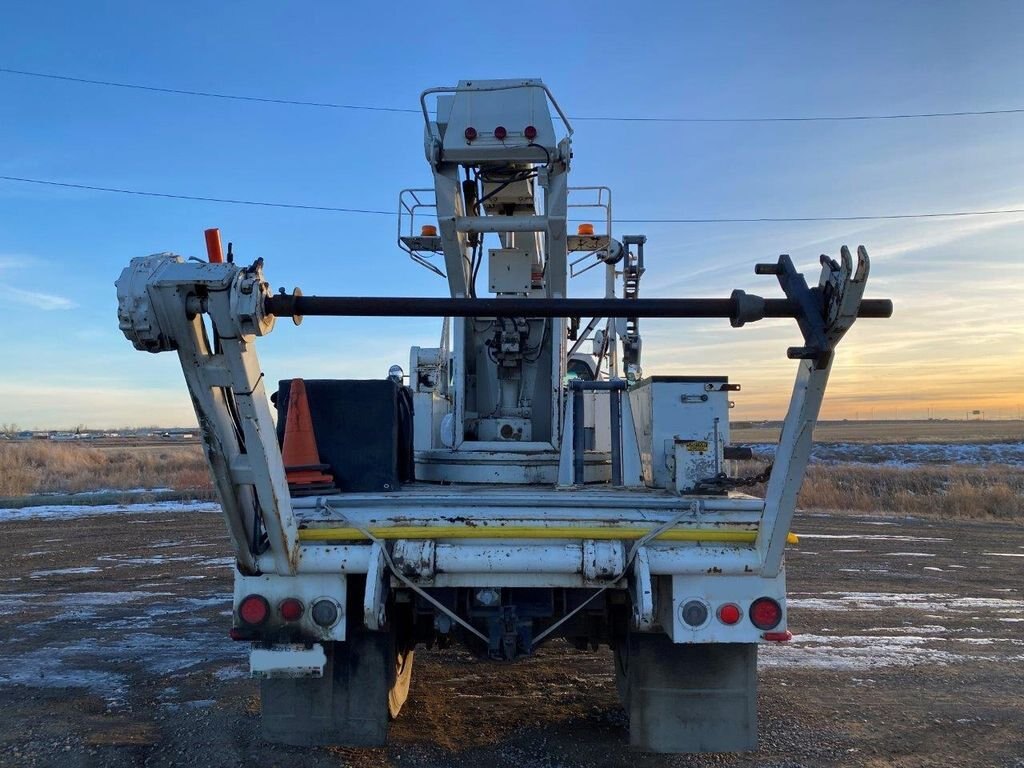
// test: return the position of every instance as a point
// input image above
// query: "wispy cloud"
(12, 261)
(937, 235)
(39, 300)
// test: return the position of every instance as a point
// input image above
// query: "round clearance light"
(324, 612)
(253, 610)
(530, 132)
(585, 229)
(290, 609)
(500, 133)
(428, 230)
(694, 613)
(765, 613)
(729, 613)
(470, 133)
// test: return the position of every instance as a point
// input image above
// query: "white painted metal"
(475, 558)
(509, 270)
(495, 224)
(489, 399)
(667, 560)
(374, 596)
(337, 559)
(847, 287)
(566, 472)
(160, 299)
(632, 465)
(642, 589)
(318, 581)
(682, 424)
(716, 590)
(501, 505)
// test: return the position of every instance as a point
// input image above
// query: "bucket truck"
(523, 481)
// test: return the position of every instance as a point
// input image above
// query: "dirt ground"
(909, 652)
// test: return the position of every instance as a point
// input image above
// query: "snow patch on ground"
(857, 652)
(924, 629)
(909, 454)
(13, 602)
(74, 664)
(122, 561)
(103, 661)
(64, 572)
(937, 602)
(909, 554)
(109, 598)
(72, 511)
(869, 537)
(100, 492)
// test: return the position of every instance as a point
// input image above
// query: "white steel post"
(791, 457)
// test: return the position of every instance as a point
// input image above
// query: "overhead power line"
(879, 217)
(593, 118)
(199, 198)
(204, 94)
(374, 212)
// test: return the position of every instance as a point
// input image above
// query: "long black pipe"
(740, 306)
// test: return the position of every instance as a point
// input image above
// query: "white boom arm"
(161, 303)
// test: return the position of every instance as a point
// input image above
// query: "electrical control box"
(509, 270)
(682, 425)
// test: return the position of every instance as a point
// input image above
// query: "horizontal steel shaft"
(747, 307)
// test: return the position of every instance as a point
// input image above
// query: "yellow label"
(697, 446)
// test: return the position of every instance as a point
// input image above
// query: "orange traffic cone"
(305, 473)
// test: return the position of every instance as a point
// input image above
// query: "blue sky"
(956, 342)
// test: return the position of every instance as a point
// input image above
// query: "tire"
(402, 642)
(399, 690)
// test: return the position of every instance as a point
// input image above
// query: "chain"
(722, 482)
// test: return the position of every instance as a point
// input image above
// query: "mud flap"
(689, 697)
(348, 706)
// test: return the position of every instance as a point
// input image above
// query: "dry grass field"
(978, 492)
(38, 467)
(949, 490)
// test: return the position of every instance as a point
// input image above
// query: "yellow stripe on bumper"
(529, 532)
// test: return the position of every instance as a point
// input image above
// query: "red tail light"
(729, 613)
(470, 133)
(500, 133)
(765, 613)
(290, 609)
(530, 132)
(254, 610)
